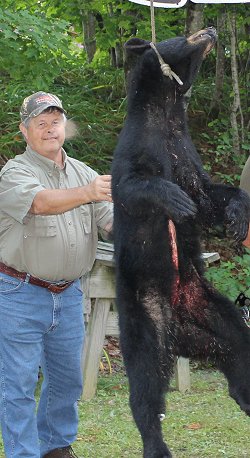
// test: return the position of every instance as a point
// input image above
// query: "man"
(245, 184)
(51, 208)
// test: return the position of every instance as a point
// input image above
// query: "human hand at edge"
(100, 189)
(246, 242)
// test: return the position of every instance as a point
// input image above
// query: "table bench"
(102, 318)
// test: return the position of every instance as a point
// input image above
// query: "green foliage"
(94, 102)
(33, 48)
(231, 277)
(41, 48)
(216, 134)
(96, 105)
(218, 137)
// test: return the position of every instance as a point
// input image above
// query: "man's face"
(45, 133)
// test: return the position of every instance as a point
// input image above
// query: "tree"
(76, 45)
(194, 17)
(220, 64)
(88, 25)
(194, 22)
(236, 105)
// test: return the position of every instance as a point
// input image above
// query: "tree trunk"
(194, 18)
(88, 25)
(236, 106)
(220, 65)
(194, 23)
(116, 54)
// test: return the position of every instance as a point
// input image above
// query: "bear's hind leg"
(217, 332)
(148, 373)
(148, 407)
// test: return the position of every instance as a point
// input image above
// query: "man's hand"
(246, 242)
(100, 189)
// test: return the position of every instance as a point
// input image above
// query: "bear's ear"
(136, 46)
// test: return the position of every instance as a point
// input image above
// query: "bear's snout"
(206, 36)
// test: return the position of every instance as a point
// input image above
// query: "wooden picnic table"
(102, 318)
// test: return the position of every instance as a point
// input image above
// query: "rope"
(166, 69)
(152, 14)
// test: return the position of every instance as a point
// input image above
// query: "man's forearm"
(56, 201)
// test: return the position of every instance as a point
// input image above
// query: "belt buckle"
(59, 288)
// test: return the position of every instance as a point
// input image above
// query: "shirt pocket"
(40, 226)
(86, 219)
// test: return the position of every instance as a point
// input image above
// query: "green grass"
(107, 429)
(202, 423)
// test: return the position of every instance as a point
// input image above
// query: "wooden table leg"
(182, 374)
(94, 341)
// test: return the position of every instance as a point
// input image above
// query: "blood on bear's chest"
(187, 295)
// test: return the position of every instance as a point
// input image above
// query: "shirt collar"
(44, 162)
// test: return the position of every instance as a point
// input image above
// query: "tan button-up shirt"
(245, 177)
(54, 247)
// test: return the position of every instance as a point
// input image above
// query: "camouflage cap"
(36, 103)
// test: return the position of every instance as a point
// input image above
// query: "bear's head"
(183, 55)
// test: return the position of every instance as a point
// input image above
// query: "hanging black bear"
(163, 198)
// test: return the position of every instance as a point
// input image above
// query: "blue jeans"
(39, 328)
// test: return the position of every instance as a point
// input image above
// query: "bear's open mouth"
(208, 49)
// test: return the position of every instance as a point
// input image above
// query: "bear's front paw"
(237, 220)
(237, 230)
(179, 205)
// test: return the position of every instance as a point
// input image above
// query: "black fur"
(165, 309)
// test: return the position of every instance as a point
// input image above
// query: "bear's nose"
(212, 32)
(212, 29)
